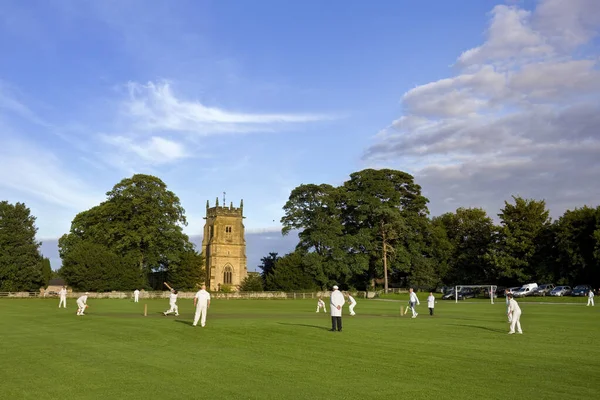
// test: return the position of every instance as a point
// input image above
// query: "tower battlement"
(225, 211)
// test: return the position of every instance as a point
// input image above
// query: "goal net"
(470, 291)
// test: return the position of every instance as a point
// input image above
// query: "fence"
(189, 295)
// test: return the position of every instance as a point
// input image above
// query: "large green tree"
(20, 259)
(386, 213)
(289, 274)
(187, 271)
(141, 219)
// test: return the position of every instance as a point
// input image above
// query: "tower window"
(228, 229)
(228, 275)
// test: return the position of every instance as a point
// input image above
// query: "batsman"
(172, 301)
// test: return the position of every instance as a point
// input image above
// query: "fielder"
(172, 301)
(412, 301)
(591, 298)
(321, 304)
(514, 312)
(352, 304)
(136, 296)
(202, 303)
(431, 303)
(63, 297)
(82, 304)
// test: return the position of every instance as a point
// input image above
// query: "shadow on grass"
(181, 321)
(480, 327)
(305, 325)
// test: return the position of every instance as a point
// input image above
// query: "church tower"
(224, 246)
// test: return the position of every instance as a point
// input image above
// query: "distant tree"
(252, 283)
(20, 259)
(577, 245)
(267, 266)
(93, 267)
(46, 269)
(517, 247)
(187, 272)
(289, 275)
(470, 233)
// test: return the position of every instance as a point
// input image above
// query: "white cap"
(335, 287)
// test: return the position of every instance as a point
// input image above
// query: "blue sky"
(478, 99)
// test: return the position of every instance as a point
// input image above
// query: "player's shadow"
(181, 321)
(485, 328)
(305, 325)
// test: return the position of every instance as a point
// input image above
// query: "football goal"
(470, 290)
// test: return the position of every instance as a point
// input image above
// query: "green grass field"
(273, 349)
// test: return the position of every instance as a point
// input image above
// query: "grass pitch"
(274, 349)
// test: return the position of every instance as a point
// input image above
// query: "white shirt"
(414, 298)
(82, 299)
(173, 298)
(337, 299)
(591, 293)
(513, 307)
(203, 298)
(321, 303)
(62, 292)
(351, 300)
(431, 301)
(136, 292)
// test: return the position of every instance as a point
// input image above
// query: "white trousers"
(136, 298)
(516, 316)
(590, 301)
(63, 302)
(200, 315)
(173, 309)
(80, 308)
(351, 309)
(319, 307)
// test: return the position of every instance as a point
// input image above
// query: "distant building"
(224, 246)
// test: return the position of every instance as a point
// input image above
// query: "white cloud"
(154, 107)
(520, 116)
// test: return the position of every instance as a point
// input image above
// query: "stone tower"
(224, 246)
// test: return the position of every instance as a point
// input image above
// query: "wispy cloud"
(156, 150)
(154, 107)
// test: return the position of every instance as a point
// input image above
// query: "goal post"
(492, 290)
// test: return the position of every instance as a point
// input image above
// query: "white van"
(526, 290)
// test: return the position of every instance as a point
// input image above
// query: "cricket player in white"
(515, 311)
(352, 304)
(413, 300)
(63, 297)
(172, 301)
(321, 304)
(506, 293)
(82, 304)
(136, 296)
(591, 298)
(202, 303)
(336, 301)
(431, 303)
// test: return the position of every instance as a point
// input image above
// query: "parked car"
(463, 293)
(525, 290)
(561, 291)
(498, 290)
(581, 290)
(544, 290)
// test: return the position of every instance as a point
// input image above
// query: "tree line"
(373, 230)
